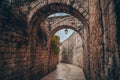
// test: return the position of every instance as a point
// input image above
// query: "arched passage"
(62, 27)
(20, 59)
(75, 57)
(81, 6)
(45, 11)
(66, 20)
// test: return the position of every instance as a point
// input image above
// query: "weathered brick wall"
(53, 61)
(40, 62)
(12, 52)
(20, 58)
(13, 47)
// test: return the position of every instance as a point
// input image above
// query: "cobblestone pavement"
(66, 72)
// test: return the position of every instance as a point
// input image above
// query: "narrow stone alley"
(66, 72)
(30, 50)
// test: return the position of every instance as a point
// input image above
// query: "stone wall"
(104, 61)
(53, 61)
(111, 57)
(22, 56)
(117, 11)
(71, 50)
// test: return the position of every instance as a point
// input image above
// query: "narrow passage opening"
(66, 44)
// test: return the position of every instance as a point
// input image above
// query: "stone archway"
(46, 10)
(80, 33)
(70, 21)
(64, 22)
(34, 7)
(62, 27)
(43, 12)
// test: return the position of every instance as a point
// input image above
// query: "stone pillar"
(95, 39)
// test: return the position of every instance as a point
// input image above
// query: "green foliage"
(55, 44)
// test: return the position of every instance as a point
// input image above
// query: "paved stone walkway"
(66, 72)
